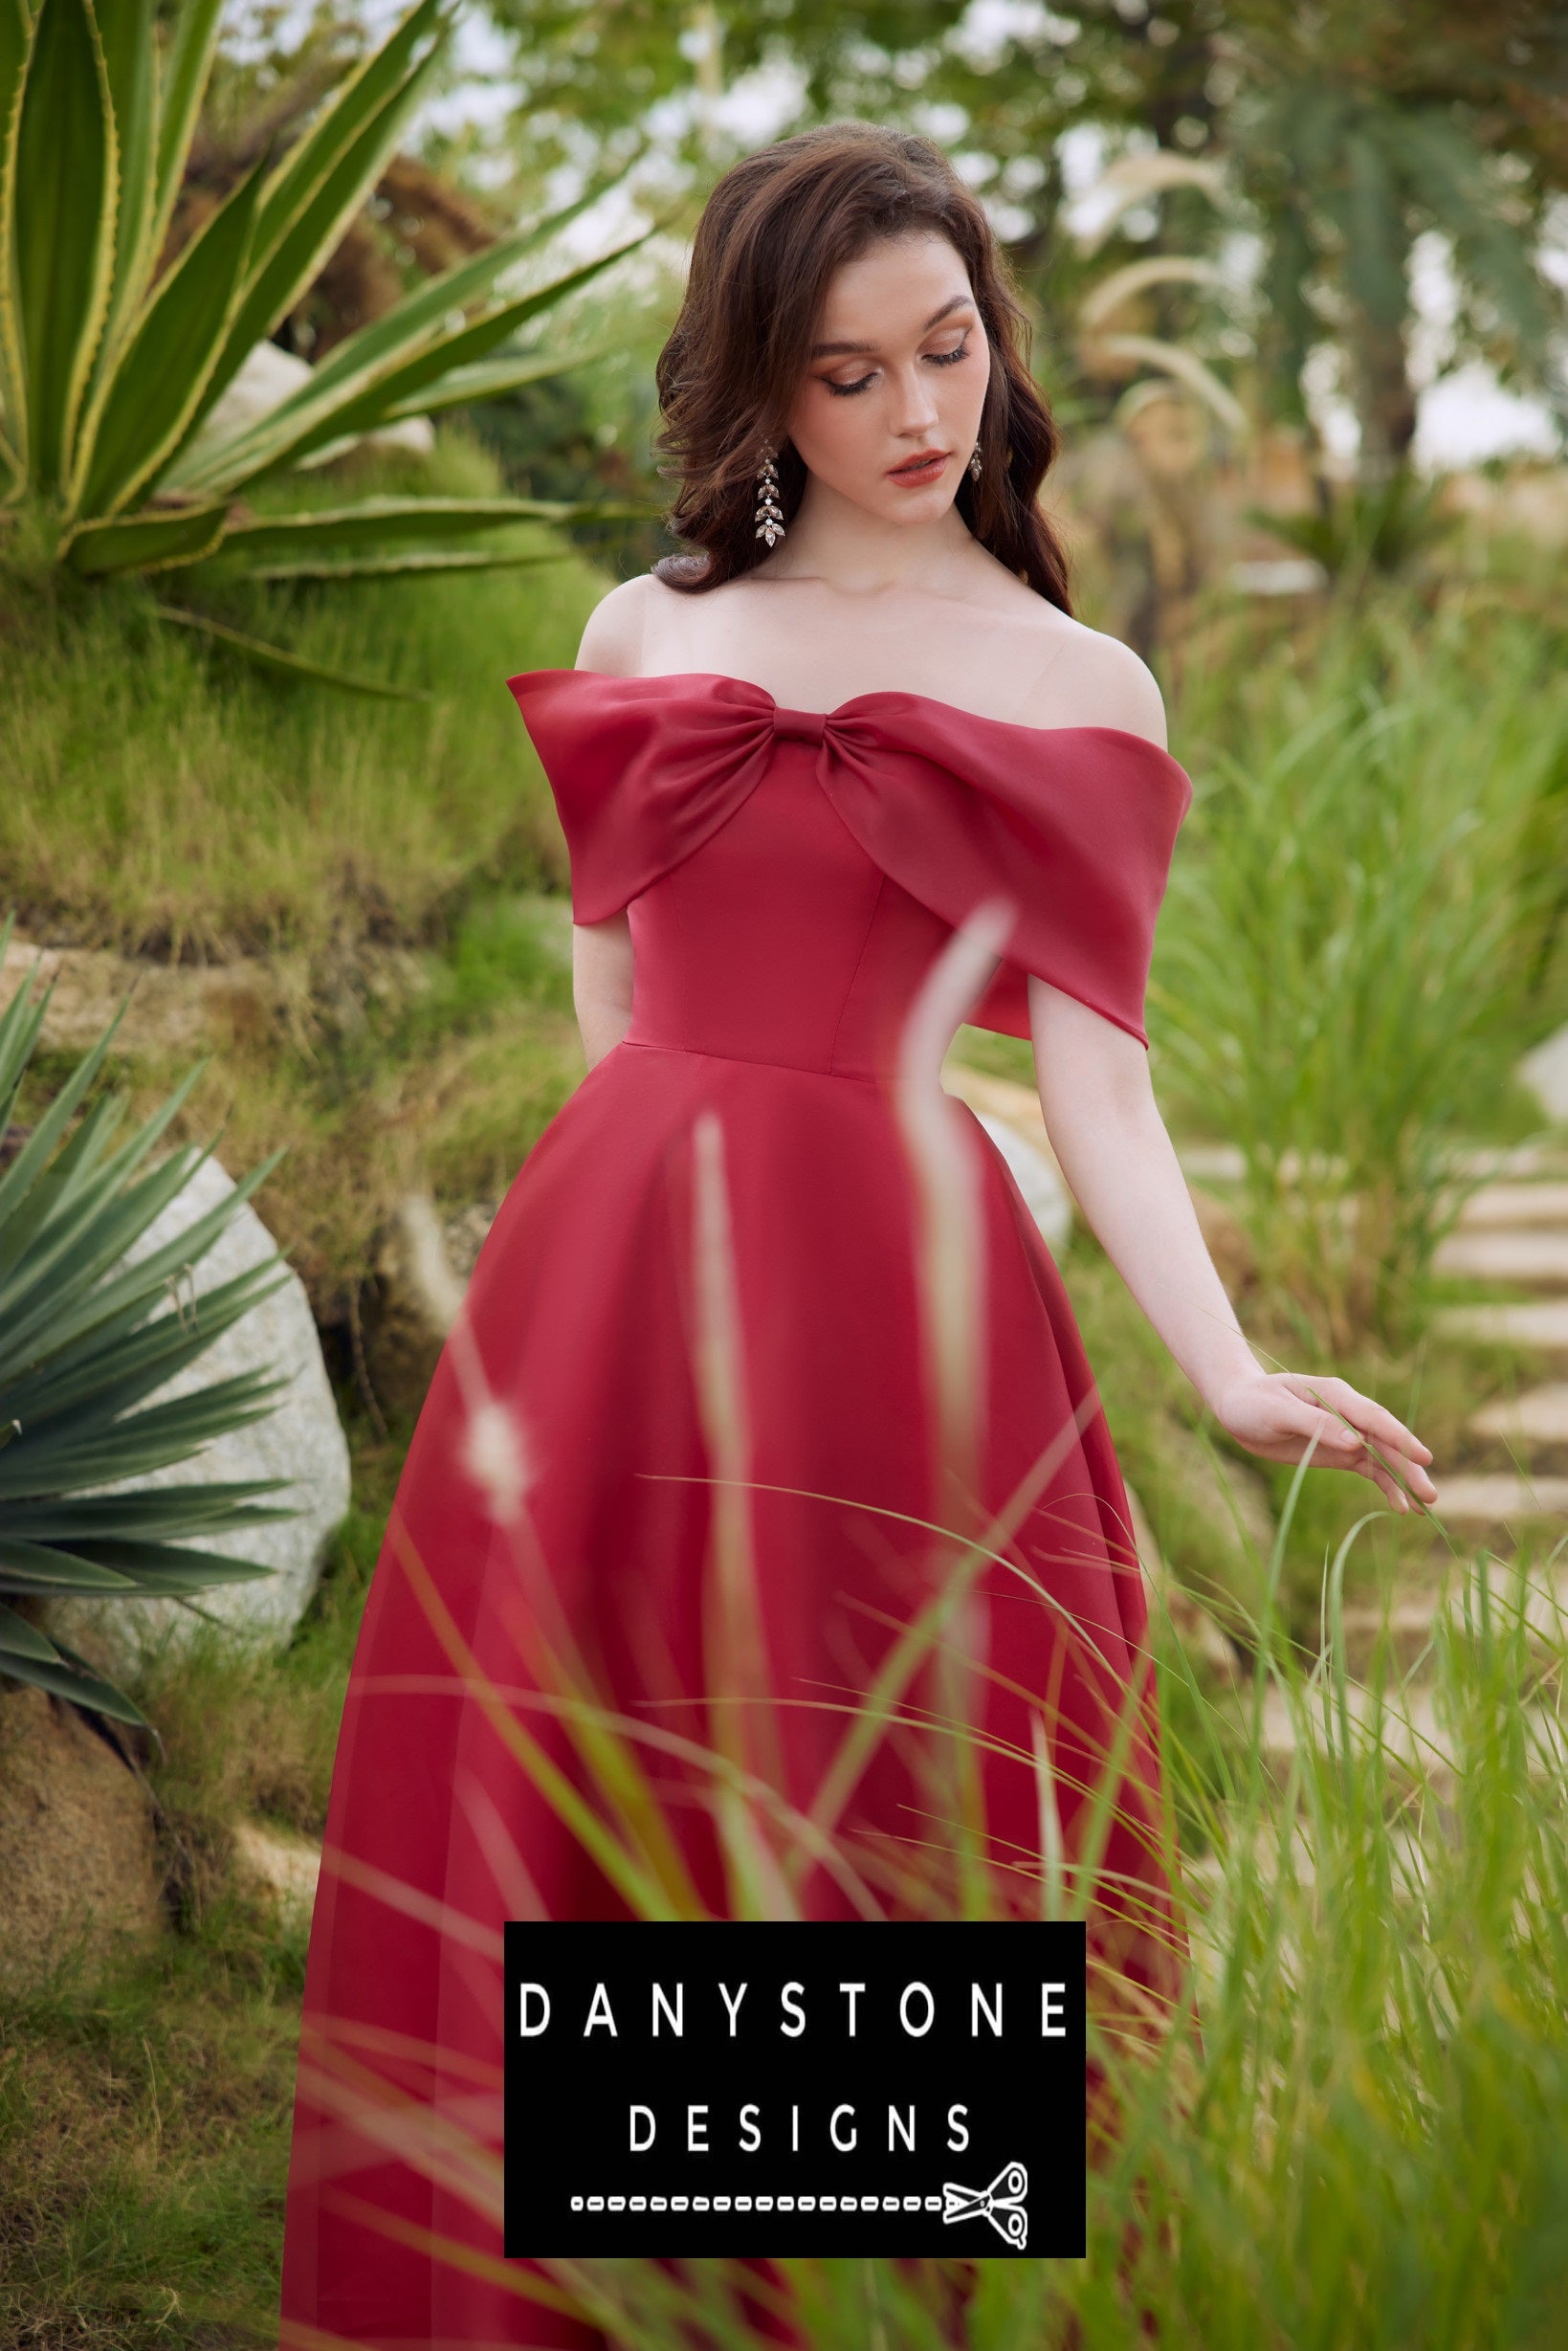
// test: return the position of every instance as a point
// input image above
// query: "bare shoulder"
(613, 640)
(1086, 678)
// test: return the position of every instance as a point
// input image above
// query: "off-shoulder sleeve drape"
(1074, 825)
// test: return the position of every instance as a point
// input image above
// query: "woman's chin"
(926, 504)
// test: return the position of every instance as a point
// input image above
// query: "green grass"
(143, 2143)
(394, 873)
(1361, 936)
(165, 797)
(145, 2108)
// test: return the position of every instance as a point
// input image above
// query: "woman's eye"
(844, 389)
(946, 359)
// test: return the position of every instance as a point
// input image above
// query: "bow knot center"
(800, 726)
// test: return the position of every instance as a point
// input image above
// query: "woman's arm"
(613, 644)
(1107, 1132)
(602, 983)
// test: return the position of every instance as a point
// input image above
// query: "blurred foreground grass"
(1362, 2147)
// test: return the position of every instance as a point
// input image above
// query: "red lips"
(927, 459)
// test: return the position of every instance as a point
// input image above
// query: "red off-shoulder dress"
(683, 1455)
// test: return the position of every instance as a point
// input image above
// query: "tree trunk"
(1384, 400)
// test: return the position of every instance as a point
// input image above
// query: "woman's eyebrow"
(835, 350)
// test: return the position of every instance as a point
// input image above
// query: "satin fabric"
(1078, 822)
(789, 879)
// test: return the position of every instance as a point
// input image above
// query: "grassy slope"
(171, 799)
(378, 864)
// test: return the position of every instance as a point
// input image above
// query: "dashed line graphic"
(756, 2203)
(1002, 2204)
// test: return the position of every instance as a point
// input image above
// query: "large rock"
(78, 1860)
(173, 1008)
(301, 1442)
(268, 376)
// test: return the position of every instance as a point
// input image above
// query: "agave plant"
(109, 373)
(86, 1337)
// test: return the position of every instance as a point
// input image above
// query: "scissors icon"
(1002, 2204)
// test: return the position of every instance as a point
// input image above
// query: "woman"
(765, 1308)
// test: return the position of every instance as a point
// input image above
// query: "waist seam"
(752, 1061)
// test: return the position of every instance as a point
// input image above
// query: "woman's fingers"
(1318, 1412)
(1373, 1419)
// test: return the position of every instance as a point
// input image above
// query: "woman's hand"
(1277, 1414)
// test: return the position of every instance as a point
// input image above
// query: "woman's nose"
(914, 402)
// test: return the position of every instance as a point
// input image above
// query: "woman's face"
(888, 408)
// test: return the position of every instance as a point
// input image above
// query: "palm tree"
(1352, 132)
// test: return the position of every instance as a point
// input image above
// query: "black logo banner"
(777, 2089)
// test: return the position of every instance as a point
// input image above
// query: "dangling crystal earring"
(974, 463)
(769, 515)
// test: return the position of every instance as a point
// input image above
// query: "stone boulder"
(172, 1008)
(300, 1441)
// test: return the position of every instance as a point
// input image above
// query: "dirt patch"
(79, 1859)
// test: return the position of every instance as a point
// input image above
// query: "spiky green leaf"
(487, 379)
(310, 198)
(301, 425)
(20, 1639)
(373, 524)
(393, 566)
(61, 1460)
(363, 361)
(37, 1567)
(129, 33)
(424, 313)
(279, 662)
(158, 1512)
(127, 1356)
(169, 1567)
(73, 1678)
(158, 384)
(146, 542)
(15, 36)
(63, 226)
(188, 62)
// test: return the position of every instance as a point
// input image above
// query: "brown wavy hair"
(774, 230)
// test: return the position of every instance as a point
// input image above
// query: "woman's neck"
(838, 543)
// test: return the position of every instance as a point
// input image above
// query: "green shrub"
(1342, 980)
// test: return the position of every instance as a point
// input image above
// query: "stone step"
(1409, 1727)
(1499, 1498)
(1516, 1204)
(283, 1866)
(1540, 1416)
(1534, 1254)
(1401, 1630)
(1540, 1323)
(1522, 1163)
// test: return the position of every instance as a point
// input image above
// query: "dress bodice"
(789, 876)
